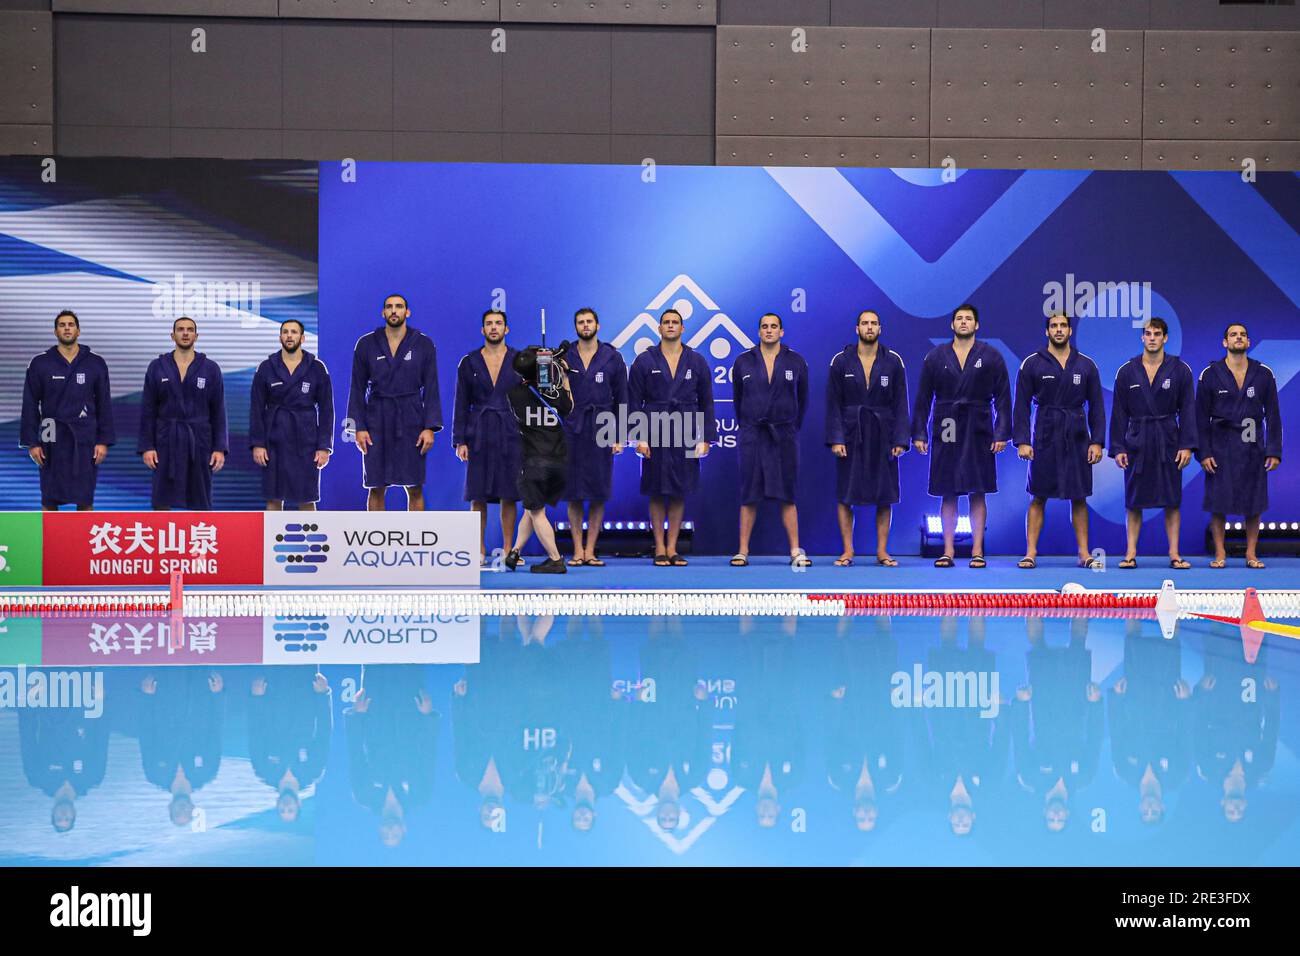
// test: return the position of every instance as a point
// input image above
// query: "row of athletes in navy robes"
(964, 395)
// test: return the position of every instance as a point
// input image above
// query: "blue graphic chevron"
(918, 287)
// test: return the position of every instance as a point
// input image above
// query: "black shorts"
(542, 483)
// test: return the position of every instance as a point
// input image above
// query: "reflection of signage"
(114, 548)
(372, 549)
(118, 640)
(371, 639)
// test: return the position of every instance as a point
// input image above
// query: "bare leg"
(1173, 523)
(509, 514)
(480, 508)
(1216, 532)
(790, 518)
(414, 498)
(275, 506)
(307, 506)
(748, 515)
(845, 514)
(1252, 537)
(594, 526)
(884, 515)
(525, 531)
(575, 527)
(948, 515)
(676, 508)
(375, 499)
(1079, 518)
(979, 514)
(1033, 525)
(545, 533)
(1132, 527)
(657, 512)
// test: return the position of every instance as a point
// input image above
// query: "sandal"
(1219, 563)
(1090, 564)
(662, 561)
(887, 562)
(1178, 564)
(1256, 564)
(1128, 564)
(740, 561)
(943, 561)
(677, 561)
(1027, 563)
(843, 562)
(575, 562)
(977, 561)
(594, 562)
(800, 559)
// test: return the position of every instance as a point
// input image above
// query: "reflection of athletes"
(672, 384)
(1152, 436)
(598, 383)
(289, 724)
(181, 717)
(1237, 708)
(483, 428)
(67, 388)
(966, 380)
(867, 429)
(1066, 443)
(1239, 423)
(395, 406)
(770, 386)
(183, 423)
(64, 754)
(291, 422)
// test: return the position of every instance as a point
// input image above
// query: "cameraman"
(540, 409)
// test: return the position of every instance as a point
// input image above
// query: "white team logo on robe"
(600, 377)
(884, 381)
(306, 387)
(201, 383)
(789, 375)
(408, 357)
(81, 378)
(1078, 378)
(1250, 392)
(979, 363)
(1165, 384)
(688, 375)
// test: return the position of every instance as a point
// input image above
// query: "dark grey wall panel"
(1016, 14)
(821, 151)
(446, 77)
(338, 144)
(26, 140)
(664, 150)
(392, 9)
(884, 13)
(228, 143)
(659, 12)
(1269, 156)
(557, 79)
(1212, 15)
(443, 147)
(26, 68)
(1218, 85)
(338, 76)
(200, 8)
(996, 84)
(112, 72)
(1038, 153)
(1087, 14)
(663, 81)
(236, 83)
(555, 148)
(851, 82)
(795, 13)
(153, 142)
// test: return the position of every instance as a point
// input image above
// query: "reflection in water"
(756, 740)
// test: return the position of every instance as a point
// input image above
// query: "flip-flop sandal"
(1128, 564)
(1256, 564)
(1179, 564)
(677, 561)
(594, 563)
(662, 561)
(1027, 563)
(1218, 565)
(943, 562)
(977, 561)
(887, 562)
(1089, 564)
(800, 560)
(575, 562)
(843, 562)
(740, 561)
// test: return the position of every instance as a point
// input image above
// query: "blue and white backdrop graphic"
(724, 245)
